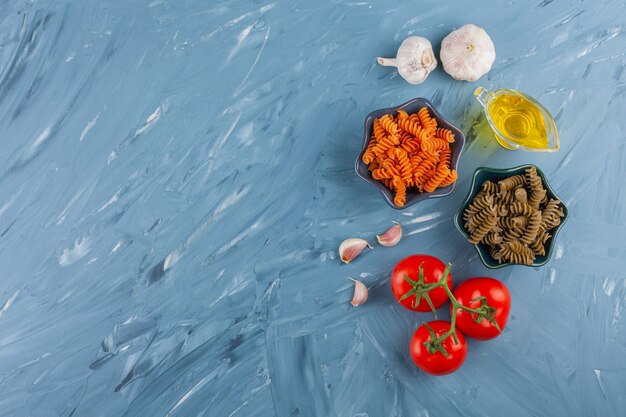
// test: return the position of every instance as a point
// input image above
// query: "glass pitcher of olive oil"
(519, 121)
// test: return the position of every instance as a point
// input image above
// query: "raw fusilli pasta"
(511, 182)
(552, 214)
(410, 151)
(513, 218)
(484, 227)
(490, 187)
(517, 252)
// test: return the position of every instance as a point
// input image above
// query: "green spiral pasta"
(502, 210)
(512, 218)
(494, 251)
(490, 187)
(478, 205)
(510, 234)
(492, 239)
(534, 222)
(534, 200)
(533, 179)
(484, 227)
(505, 197)
(537, 192)
(538, 248)
(522, 208)
(521, 195)
(520, 221)
(481, 194)
(538, 245)
(481, 217)
(543, 235)
(516, 252)
(511, 182)
(552, 214)
(506, 222)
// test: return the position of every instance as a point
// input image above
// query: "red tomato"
(437, 363)
(473, 293)
(409, 267)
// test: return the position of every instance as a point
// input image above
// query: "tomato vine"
(420, 290)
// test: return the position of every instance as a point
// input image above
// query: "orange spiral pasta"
(388, 183)
(409, 151)
(406, 170)
(400, 197)
(445, 157)
(402, 115)
(389, 125)
(411, 126)
(445, 134)
(384, 144)
(427, 164)
(368, 155)
(411, 183)
(452, 177)
(428, 123)
(380, 173)
(393, 171)
(379, 131)
(410, 144)
(405, 136)
(435, 144)
(414, 160)
(437, 177)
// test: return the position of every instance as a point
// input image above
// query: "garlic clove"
(360, 293)
(415, 59)
(351, 248)
(467, 53)
(392, 236)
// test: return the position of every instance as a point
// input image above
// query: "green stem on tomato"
(420, 289)
(485, 311)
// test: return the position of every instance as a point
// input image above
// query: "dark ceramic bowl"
(412, 195)
(483, 174)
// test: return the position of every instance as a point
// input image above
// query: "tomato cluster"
(479, 309)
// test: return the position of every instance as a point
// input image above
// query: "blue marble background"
(176, 176)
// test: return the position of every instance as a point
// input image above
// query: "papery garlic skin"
(391, 237)
(351, 248)
(360, 293)
(467, 53)
(415, 59)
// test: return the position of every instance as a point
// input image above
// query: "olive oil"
(518, 121)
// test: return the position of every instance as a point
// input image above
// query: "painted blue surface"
(175, 178)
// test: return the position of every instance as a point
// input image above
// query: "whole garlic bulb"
(467, 53)
(415, 59)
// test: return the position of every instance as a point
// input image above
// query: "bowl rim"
(454, 163)
(490, 262)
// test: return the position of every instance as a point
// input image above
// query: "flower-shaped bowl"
(483, 174)
(412, 195)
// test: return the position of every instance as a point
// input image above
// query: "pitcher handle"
(481, 95)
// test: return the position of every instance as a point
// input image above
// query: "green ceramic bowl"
(483, 174)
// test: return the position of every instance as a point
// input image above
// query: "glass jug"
(519, 121)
